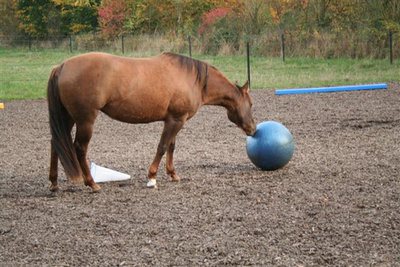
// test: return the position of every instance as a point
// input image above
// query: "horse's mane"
(190, 64)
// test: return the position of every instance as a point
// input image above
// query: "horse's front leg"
(171, 128)
(170, 161)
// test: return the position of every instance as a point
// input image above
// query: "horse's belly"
(138, 112)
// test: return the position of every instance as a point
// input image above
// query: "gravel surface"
(335, 203)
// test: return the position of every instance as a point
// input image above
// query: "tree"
(34, 16)
(40, 18)
(180, 16)
(384, 14)
(112, 16)
(79, 16)
(8, 20)
(211, 18)
(256, 16)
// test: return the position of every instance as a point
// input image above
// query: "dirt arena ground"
(337, 202)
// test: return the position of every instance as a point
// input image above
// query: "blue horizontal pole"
(331, 89)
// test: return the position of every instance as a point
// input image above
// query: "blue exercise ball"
(271, 147)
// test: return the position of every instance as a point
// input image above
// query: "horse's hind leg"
(53, 173)
(83, 135)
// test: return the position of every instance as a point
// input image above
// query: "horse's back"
(127, 89)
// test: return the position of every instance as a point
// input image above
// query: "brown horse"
(168, 87)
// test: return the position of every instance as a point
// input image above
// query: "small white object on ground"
(152, 183)
(102, 174)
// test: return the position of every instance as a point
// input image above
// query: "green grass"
(24, 73)
(306, 72)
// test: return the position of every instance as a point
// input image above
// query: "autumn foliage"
(112, 16)
(211, 17)
(326, 28)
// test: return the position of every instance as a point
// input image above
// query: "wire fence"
(274, 45)
(284, 46)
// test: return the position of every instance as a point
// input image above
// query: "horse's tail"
(60, 128)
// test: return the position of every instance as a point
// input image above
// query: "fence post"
(123, 44)
(29, 42)
(391, 47)
(190, 46)
(283, 46)
(70, 44)
(248, 62)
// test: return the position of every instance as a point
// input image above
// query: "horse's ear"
(245, 88)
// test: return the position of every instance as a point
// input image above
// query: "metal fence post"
(391, 47)
(190, 46)
(123, 44)
(70, 44)
(283, 47)
(248, 62)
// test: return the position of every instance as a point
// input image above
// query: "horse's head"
(240, 114)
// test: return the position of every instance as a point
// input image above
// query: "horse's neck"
(220, 91)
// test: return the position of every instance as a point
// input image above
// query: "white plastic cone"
(102, 174)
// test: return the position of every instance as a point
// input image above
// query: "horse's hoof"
(54, 188)
(76, 180)
(95, 188)
(175, 178)
(152, 183)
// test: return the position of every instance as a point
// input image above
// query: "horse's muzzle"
(251, 130)
(251, 133)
